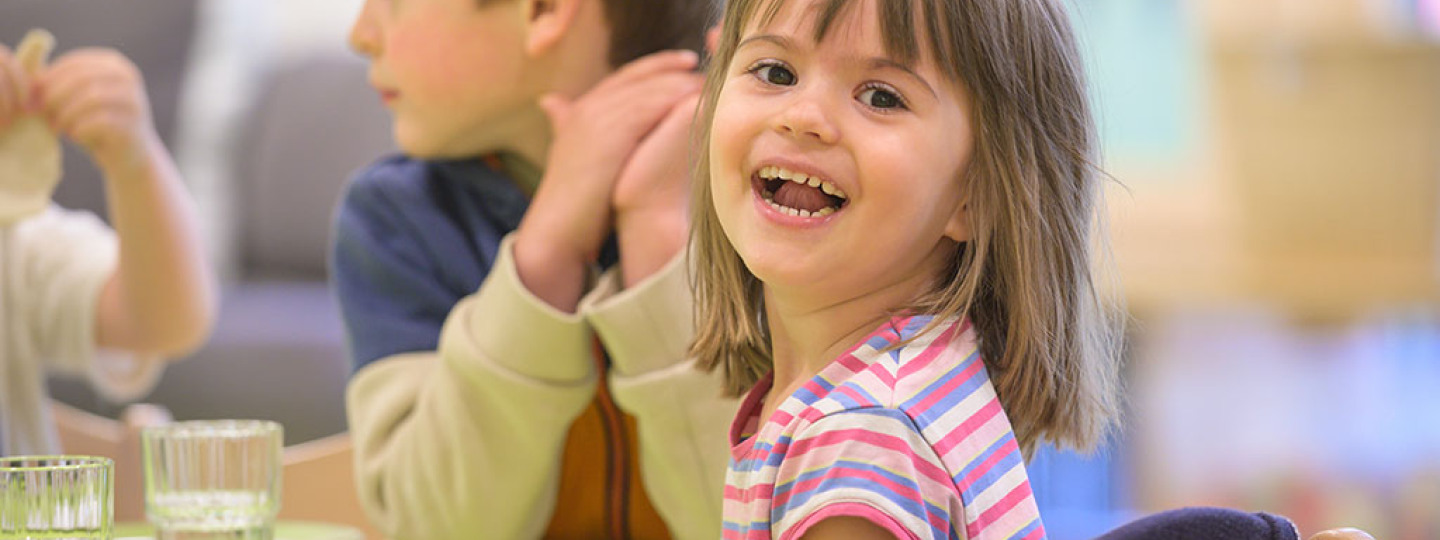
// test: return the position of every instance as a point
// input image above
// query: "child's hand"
(96, 97)
(657, 175)
(594, 137)
(652, 195)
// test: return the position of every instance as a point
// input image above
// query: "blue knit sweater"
(412, 238)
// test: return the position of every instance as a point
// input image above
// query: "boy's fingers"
(648, 101)
(675, 127)
(64, 68)
(682, 114)
(666, 87)
(58, 90)
(85, 105)
(679, 60)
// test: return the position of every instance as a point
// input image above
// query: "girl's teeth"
(796, 211)
(774, 173)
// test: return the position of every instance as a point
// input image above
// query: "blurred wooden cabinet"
(1328, 120)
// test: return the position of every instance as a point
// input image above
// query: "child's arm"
(161, 299)
(847, 528)
(643, 312)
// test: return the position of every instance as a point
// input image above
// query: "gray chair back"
(316, 122)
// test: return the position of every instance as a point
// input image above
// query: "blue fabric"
(412, 238)
(1205, 524)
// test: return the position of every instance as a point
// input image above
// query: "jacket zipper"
(617, 467)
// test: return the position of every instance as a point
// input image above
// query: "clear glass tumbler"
(213, 479)
(49, 497)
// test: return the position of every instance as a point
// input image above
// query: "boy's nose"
(364, 34)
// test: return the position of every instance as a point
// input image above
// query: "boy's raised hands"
(652, 195)
(595, 137)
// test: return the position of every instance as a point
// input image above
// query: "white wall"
(237, 42)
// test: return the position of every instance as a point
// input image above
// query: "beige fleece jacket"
(466, 442)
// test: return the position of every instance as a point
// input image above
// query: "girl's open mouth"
(797, 194)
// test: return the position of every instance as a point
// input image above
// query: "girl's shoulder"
(900, 366)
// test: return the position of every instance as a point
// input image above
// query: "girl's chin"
(785, 274)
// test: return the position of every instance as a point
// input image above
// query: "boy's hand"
(96, 97)
(652, 195)
(594, 137)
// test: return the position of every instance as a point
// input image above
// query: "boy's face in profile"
(450, 71)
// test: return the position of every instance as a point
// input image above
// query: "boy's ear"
(548, 21)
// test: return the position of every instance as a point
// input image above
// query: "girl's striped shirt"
(912, 439)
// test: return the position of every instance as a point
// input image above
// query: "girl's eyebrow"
(781, 41)
(881, 62)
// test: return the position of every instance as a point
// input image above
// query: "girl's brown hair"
(1048, 336)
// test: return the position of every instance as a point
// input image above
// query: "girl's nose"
(807, 118)
(365, 33)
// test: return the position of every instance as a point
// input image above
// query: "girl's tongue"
(802, 197)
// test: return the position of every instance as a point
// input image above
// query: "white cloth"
(54, 267)
(29, 150)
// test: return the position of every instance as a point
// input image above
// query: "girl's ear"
(958, 228)
(547, 21)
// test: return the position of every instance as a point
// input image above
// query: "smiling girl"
(894, 244)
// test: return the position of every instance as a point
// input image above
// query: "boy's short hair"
(641, 27)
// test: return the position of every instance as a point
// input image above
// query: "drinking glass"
(51, 497)
(213, 479)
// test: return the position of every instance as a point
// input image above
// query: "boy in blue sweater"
(483, 400)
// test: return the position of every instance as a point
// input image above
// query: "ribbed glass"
(213, 479)
(52, 497)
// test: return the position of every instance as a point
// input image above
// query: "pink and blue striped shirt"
(912, 439)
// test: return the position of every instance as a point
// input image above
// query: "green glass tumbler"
(53, 497)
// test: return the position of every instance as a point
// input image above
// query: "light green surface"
(284, 530)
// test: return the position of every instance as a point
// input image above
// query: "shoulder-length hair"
(1048, 336)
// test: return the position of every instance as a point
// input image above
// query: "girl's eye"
(881, 98)
(775, 74)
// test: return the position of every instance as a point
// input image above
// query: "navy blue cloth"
(1205, 524)
(412, 238)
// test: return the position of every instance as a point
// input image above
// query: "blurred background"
(1273, 221)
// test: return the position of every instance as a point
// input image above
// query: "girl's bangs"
(902, 24)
